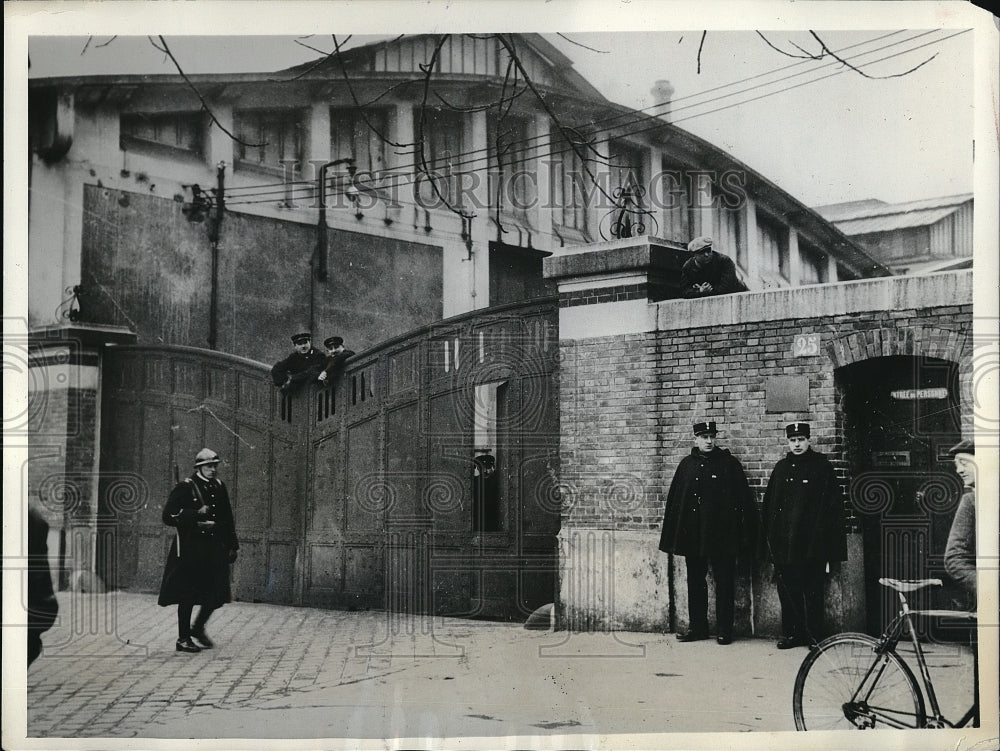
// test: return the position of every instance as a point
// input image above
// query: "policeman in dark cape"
(804, 527)
(709, 519)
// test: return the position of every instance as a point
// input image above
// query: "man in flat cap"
(708, 272)
(803, 518)
(709, 518)
(336, 355)
(302, 366)
(197, 569)
(960, 551)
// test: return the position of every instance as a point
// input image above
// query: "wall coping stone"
(818, 300)
(631, 254)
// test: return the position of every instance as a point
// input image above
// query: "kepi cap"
(333, 341)
(963, 447)
(206, 456)
(705, 427)
(301, 337)
(793, 429)
(700, 243)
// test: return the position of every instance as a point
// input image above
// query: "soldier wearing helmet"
(197, 568)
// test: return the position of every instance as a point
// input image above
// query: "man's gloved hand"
(232, 556)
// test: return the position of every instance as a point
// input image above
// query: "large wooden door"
(160, 405)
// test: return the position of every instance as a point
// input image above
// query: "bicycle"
(854, 681)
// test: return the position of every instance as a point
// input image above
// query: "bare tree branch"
(827, 51)
(807, 55)
(564, 131)
(354, 98)
(166, 50)
(806, 52)
(314, 49)
(578, 44)
(422, 166)
(700, 45)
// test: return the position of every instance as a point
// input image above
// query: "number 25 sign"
(805, 345)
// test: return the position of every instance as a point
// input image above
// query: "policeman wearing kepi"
(197, 569)
(709, 518)
(804, 529)
(302, 366)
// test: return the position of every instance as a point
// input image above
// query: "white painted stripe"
(600, 281)
(606, 319)
(63, 376)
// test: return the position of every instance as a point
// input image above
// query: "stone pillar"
(794, 259)
(479, 262)
(220, 147)
(542, 211)
(610, 465)
(64, 440)
(753, 248)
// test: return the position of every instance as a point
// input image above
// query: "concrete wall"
(146, 267)
(636, 375)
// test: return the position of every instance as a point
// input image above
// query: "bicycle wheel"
(844, 684)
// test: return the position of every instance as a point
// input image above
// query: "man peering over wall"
(708, 272)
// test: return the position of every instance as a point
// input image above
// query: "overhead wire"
(540, 148)
(546, 140)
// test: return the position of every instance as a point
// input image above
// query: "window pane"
(271, 137)
(179, 130)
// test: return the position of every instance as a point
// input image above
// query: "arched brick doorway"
(901, 414)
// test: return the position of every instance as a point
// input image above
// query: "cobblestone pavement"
(110, 670)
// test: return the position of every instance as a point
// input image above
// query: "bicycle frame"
(888, 642)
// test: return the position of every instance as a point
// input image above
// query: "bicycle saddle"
(910, 585)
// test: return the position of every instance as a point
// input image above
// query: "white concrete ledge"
(606, 319)
(813, 301)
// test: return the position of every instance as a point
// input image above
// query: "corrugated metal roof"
(872, 207)
(893, 221)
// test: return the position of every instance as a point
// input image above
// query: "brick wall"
(628, 400)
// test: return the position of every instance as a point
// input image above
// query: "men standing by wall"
(804, 528)
(709, 518)
(707, 272)
(300, 367)
(197, 569)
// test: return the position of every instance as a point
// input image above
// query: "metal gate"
(369, 493)
(159, 406)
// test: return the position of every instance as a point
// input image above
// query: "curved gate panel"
(160, 405)
(422, 480)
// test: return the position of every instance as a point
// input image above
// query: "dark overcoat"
(42, 604)
(197, 569)
(803, 511)
(715, 268)
(300, 367)
(710, 509)
(335, 363)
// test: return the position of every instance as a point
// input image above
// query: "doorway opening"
(901, 415)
